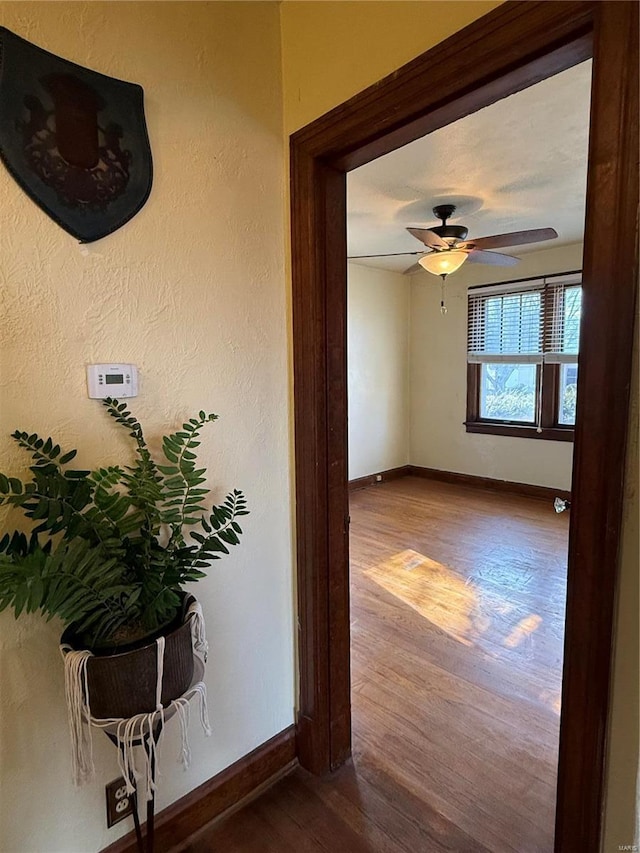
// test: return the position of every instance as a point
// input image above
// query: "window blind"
(561, 318)
(525, 322)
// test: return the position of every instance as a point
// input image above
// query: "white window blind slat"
(535, 358)
(560, 358)
(562, 326)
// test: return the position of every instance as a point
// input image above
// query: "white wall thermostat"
(112, 380)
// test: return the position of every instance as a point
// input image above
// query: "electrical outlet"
(119, 803)
(378, 478)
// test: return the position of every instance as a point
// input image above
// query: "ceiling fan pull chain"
(443, 307)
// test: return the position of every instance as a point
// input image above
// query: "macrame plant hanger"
(150, 823)
(143, 730)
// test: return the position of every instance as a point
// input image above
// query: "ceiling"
(519, 163)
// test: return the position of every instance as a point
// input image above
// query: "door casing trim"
(511, 48)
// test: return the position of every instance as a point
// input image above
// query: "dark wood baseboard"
(525, 489)
(249, 775)
(379, 477)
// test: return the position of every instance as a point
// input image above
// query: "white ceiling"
(520, 163)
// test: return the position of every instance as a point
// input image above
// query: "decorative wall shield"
(76, 141)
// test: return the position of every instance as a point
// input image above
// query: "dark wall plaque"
(76, 141)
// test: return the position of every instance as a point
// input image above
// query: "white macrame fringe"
(198, 633)
(75, 688)
(139, 728)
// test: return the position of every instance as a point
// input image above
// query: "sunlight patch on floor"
(435, 591)
(523, 629)
(458, 606)
(552, 699)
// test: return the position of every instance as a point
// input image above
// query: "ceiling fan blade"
(391, 255)
(476, 256)
(428, 237)
(515, 238)
(413, 269)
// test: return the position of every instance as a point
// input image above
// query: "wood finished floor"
(457, 625)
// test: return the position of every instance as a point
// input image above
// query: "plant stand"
(149, 846)
(149, 741)
(143, 729)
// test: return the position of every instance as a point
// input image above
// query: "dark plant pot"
(123, 684)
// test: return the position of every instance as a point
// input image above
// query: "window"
(522, 355)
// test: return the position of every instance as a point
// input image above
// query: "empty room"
(462, 400)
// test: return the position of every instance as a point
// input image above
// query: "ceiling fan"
(448, 247)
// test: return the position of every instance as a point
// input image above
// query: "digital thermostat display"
(112, 380)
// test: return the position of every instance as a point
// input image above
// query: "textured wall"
(332, 49)
(378, 370)
(193, 291)
(438, 365)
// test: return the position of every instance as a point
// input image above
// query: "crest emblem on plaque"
(75, 140)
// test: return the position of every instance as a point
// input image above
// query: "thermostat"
(112, 380)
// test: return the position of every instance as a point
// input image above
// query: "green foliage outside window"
(569, 404)
(514, 404)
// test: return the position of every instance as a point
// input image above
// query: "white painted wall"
(438, 382)
(193, 290)
(378, 370)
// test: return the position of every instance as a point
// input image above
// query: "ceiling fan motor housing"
(450, 232)
(444, 231)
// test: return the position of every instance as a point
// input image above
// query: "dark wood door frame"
(515, 46)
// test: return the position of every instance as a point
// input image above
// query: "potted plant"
(110, 553)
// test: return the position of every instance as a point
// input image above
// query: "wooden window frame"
(515, 46)
(551, 431)
(547, 392)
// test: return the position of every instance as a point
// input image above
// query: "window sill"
(515, 431)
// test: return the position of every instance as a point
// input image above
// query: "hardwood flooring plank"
(457, 618)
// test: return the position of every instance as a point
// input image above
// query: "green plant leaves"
(108, 546)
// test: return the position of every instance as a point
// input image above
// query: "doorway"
(457, 557)
(504, 52)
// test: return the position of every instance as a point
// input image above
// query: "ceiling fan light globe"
(443, 263)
